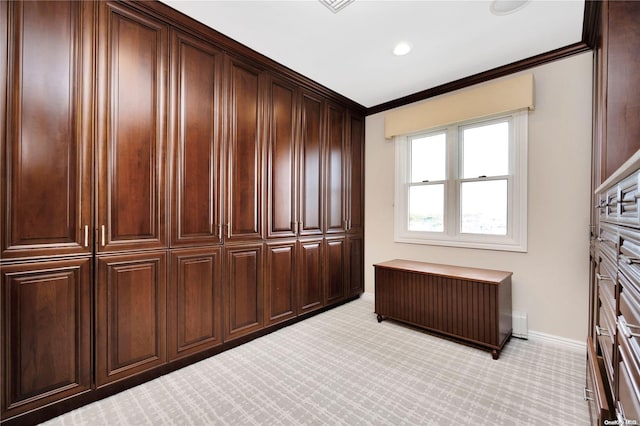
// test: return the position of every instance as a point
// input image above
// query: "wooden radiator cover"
(470, 304)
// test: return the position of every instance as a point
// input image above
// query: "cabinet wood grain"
(46, 177)
(195, 132)
(132, 58)
(194, 301)
(130, 314)
(46, 332)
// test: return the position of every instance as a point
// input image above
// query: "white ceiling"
(351, 52)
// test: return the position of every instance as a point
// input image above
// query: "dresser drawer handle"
(626, 327)
(602, 331)
(629, 260)
(587, 398)
(603, 277)
(632, 201)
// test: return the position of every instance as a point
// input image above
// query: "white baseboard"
(563, 341)
(369, 297)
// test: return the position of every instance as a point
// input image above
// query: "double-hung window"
(464, 185)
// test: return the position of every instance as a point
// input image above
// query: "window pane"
(484, 207)
(485, 150)
(426, 208)
(428, 158)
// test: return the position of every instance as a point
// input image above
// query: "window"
(464, 185)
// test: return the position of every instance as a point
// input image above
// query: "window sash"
(452, 235)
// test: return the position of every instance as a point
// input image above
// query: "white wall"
(550, 282)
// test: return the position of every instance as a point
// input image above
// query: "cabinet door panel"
(310, 276)
(132, 59)
(622, 113)
(355, 187)
(243, 290)
(335, 182)
(46, 333)
(336, 269)
(131, 315)
(355, 251)
(280, 278)
(281, 221)
(195, 141)
(244, 174)
(194, 301)
(47, 171)
(311, 165)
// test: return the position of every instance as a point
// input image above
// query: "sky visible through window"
(484, 158)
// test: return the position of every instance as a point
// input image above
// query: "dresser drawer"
(608, 240)
(605, 330)
(607, 277)
(628, 212)
(630, 312)
(608, 205)
(628, 395)
(629, 260)
(595, 392)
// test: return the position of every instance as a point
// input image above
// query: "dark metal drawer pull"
(602, 331)
(587, 398)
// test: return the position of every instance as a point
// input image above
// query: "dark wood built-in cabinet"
(166, 194)
(613, 345)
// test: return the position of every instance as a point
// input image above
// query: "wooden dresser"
(613, 342)
(469, 304)
(614, 355)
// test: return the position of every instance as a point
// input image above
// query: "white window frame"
(516, 236)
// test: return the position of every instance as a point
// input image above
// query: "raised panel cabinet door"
(311, 165)
(355, 265)
(244, 145)
(196, 75)
(310, 275)
(130, 315)
(46, 333)
(243, 291)
(335, 187)
(46, 154)
(281, 160)
(194, 302)
(132, 62)
(622, 112)
(280, 281)
(335, 256)
(355, 187)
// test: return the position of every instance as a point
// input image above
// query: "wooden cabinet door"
(335, 256)
(280, 281)
(336, 156)
(194, 301)
(355, 265)
(311, 165)
(355, 185)
(45, 205)
(244, 145)
(132, 61)
(282, 116)
(243, 291)
(622, 110)
(46, 333)
(310, 275)
(196, 75)
(130, 314)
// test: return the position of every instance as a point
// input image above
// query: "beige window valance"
(505, 95)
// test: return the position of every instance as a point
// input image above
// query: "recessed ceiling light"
(505, 7)
(402, 48)
(336, 5)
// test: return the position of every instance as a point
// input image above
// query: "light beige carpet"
(343, 368)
